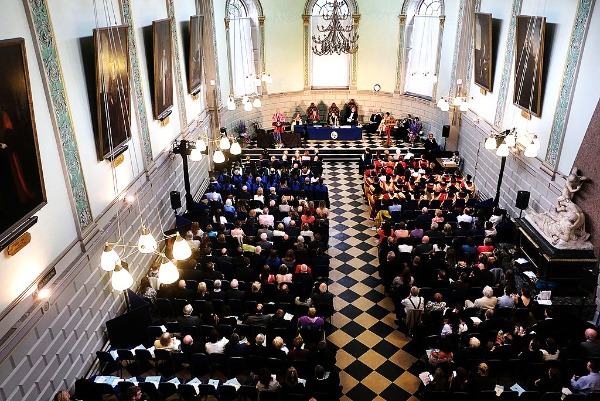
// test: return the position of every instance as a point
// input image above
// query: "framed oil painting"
(111, 49)
(195, 62)
(163, 68)
(22, 191)
(529, 64)
(482, 51)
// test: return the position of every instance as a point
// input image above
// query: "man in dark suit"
(292, 230)
(351, 117)
(434, 232)
(374, 122)
(188, 319)
(181, 292)
(210, 273)
(591, 346)
(234, 292)
(423, 247)
(424, 219)
(258, 318)
(189, 347)
(263, 243)
(322, 296)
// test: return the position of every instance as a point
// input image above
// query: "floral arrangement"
(241, 132)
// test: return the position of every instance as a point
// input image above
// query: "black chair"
(438, 396)
(179, 360)
(551, 396)
(167, 389)
(162, 361)
(225, 330)
(530, 396)
(108, 364)
(593, 396)
(154, 332)
(217, 362)
(199, 305)
(191, 331)
(199, 365)
(187, 392)
(179, 304)
(575, 397)
(150, 390)
(509, 396)
(487, 395)
(268, 396)
(173, 327)
(227, 392)
(275, 365)
(127, 360)
(235, 366)
(101, 389)
(206, 390)
(460, 396)
(144, 360)
(237, 308)
(164, 308)
(248, 393)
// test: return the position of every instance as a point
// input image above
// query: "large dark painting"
(528, 63)
(482, 66)
(22, 191)
(195, 70)
(163, 68)
(112, 89)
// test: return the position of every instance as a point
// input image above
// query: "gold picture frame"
(529, 63)
(111, 50)
(195, 56)
(482, 51)
(22, 190)
(163, 68)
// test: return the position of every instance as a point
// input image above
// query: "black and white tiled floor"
(373, 354)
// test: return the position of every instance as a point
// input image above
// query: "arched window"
(423, 35)
(331, 70)
(245, 56)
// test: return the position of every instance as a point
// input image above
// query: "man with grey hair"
(188, 319)
(263, 243)
(321, 296)
(234, 292)
(487, 301)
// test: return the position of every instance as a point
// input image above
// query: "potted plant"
(240, 130)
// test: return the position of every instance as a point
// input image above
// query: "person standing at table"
(352, 117)
(389, 123)
(278, 126)
(314, 117)
(296, 121)
(431, 147)
(374, 122)
(334, 119)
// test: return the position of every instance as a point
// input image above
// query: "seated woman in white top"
(214, 345)
(306, 231)
(259, 196)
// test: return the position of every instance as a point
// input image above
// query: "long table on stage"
(343, 133)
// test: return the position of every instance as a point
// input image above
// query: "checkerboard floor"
(374, 356)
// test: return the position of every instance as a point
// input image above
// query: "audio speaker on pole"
(446, 131)
(522, 201)
(175, 200)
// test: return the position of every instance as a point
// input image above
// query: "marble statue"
(564, 226)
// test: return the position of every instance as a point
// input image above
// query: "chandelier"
(510, 140)
(456, 102)
(338, 37)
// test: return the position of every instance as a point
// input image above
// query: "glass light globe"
(536, 143)
(109, 258)
(264, 77)
(464, 106)
(269, 79)
(490, 143)
(181, 249)
(245, 99)
(257, 103)
(530, 150)
(230, 104)
(236, 149)
(224, 143)
(457, 101)
(445, 106)
(167, 272)
(218, 156)
(121, 279)
(511, 140)
(195, 155)
(248, 106)
(147, 243)
(433, 78)
(502, 150)
(201, 145)
(257, 81)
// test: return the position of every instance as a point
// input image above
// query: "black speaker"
(522, 201)
(446, 131)
(175, 200)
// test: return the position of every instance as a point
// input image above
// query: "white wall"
(55, 226)
(144, 12)
(183, 10)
